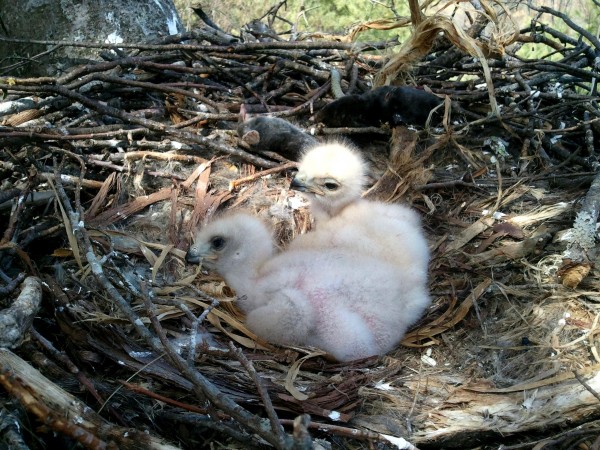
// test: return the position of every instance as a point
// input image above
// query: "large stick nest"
(109, 168)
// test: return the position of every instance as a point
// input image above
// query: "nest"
(114, 341)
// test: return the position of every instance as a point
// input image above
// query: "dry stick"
(14, 216)
(236, 183)
(249, 47)
(293, 111)
(340, 431)
(81, 377)
(73, 180)
(196, 321)
(445, 185)
(141, 84)
(262, 392)
(580, 30)
(202, 387)
(235, 78)
(11, 284)
(585, 225)
(589, 135)
(167, 400)
(9, 194)
(150, 124)
(212, 393)
(357, 130)
(205, 422)
(17, 132)
(46, 415)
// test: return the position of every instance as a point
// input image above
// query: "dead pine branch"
(16, 319)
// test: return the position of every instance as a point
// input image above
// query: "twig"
(46, 415)
(11, 284)
(152, 125)
(16, 319)
(255, 176)
(264, 395)
(203, 387)
(196, 321)
(71, 367)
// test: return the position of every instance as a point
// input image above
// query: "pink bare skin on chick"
(331, 299)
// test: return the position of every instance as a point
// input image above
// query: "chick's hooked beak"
(196, 254)
(301, 184)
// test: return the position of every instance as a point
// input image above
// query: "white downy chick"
(332, 176)
(350, 305)
(387, 231)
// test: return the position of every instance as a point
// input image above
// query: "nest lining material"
(505, 348)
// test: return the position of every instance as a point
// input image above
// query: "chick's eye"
(217, 243)
(331, 186)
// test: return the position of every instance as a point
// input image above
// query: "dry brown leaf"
(448, 319)
(470, 233)
(68, 229)
(253, 342)
(293, 373)
(574, 275)
(528, 385)
(100, 196)
(149, 254)
(507, 228)
(426, 32)
(62, 253)
(121, 212)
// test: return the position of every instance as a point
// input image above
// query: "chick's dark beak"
(303, 186)
(297, 185)
(192, 257)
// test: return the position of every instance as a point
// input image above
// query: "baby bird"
(332, 177)
(350, 305)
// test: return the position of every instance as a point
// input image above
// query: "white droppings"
(399, 442)
(383, 386)
(334, 415)
(428, 360)
(113, 38)
(296, 202)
